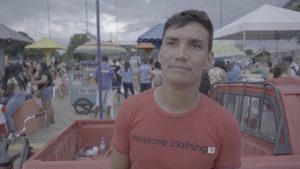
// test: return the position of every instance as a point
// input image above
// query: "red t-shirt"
(205, 137)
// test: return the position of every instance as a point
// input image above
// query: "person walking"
(108, 75)
(145, 72)
(127, 79)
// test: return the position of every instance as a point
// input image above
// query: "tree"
(75, 41)
(33, 54)
(14, 48)
(249, 52)
(293, 5)
(240, 46)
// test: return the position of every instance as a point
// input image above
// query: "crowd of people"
(20, 82)
(262, 66)
(119, 75)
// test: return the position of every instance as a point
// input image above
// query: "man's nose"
(182, 52)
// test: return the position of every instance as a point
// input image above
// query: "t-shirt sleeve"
(230, 153)
(120, 139)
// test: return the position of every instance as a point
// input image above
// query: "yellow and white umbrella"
(47, 45)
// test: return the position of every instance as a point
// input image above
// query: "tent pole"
(244, 40)
(276, 48)
(2, 60)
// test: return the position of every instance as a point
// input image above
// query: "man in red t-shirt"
(174, 125)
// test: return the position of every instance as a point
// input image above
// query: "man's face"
(184, 54)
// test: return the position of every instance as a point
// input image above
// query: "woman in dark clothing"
(43, 81)
(13, 87)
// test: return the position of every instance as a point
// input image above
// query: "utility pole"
(221, 6)
(116, 4)
(99, 60)
(35, 28)
(48, 8)
(86, 20)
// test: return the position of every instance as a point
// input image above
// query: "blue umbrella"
(153, 35)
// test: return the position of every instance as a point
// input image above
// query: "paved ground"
(64, 116)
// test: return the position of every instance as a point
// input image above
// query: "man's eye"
(170, 43)
(196, 46)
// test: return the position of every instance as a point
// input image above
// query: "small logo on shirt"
(211, 150)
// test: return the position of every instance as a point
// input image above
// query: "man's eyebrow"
(171, 38)
(196, 41)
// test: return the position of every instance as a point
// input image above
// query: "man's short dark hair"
(104, 58)
(183, 18)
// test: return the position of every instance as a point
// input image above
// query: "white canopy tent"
(265, 23)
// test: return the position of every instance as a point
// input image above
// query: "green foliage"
(240, 46)
(13, 48)
(293, 5)
(33, 54)
(66, 57)
(249, 52)
(75, 41)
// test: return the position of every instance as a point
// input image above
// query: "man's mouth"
(177, 66)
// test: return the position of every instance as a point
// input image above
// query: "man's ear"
(158, 57)
(210, 59)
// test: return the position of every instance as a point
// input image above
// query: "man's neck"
(172, 100)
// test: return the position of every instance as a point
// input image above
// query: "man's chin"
(178, 80)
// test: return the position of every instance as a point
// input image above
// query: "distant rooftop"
(7, 33)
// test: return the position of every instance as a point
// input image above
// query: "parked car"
(268, 114)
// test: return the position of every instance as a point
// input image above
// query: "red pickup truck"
(268, 114)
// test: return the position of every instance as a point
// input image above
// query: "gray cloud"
(68, 16)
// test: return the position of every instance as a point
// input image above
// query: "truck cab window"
(268, 125)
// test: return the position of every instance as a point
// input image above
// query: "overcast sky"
(134, 17)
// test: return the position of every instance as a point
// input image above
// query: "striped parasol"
(107, 48)
(47, 45)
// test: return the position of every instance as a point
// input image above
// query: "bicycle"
(8, 161)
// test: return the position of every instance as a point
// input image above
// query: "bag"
(37, 93)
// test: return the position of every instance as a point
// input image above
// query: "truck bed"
(62, 151)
